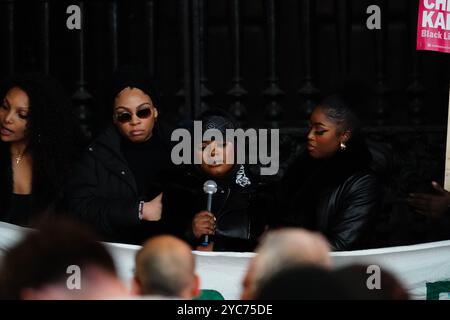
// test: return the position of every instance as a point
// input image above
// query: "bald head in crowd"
(282, 249)
(165, 266)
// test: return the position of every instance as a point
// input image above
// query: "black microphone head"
(210, 187)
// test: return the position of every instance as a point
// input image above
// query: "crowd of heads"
(40, 266)
(65, 261)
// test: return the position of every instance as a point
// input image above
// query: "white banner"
(423, 269)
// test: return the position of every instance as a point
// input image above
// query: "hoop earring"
(343, 145)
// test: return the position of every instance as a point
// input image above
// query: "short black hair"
(338, 109)
(129, 76)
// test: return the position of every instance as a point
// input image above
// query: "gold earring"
(343, 145)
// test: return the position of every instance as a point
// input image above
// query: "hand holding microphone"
(204, 221)
(203, 225)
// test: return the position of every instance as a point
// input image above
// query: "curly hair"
(52, 135)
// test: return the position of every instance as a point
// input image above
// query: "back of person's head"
(283, 249)
(365, 284)
(303, 283)
(59, 261)
(165, 266)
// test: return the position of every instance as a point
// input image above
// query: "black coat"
(241, 206)
(337, 197)
(103, 190)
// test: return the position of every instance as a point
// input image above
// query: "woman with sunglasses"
(36, 147)
(117, 186)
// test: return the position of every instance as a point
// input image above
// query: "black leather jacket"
(337, 197)
(240, 205)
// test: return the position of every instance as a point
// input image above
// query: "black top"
(45, 198)
(19, 211)
(110, 179)
(241, 206)
(147, 161)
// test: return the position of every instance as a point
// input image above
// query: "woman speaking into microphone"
(238, 206)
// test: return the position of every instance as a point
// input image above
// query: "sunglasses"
(125, 117)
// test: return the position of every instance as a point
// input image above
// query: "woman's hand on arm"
(152, 209)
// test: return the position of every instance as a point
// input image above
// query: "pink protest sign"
(433, 27)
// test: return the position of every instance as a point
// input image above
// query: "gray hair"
(287, 248)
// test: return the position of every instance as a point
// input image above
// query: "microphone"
(209, 187)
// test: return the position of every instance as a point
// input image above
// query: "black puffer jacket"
(338, 196)
(241, 206)
(103, 190)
